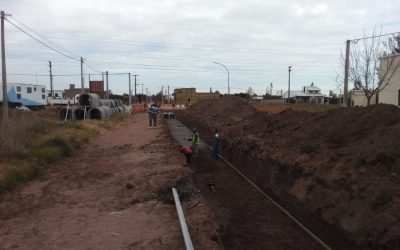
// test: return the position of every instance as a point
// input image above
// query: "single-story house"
(309, 94)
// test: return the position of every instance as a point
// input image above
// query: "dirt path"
(104, 198)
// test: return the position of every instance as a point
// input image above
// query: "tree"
(394, 44)
(365, 71)
(250, 91)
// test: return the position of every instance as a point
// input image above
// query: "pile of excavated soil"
(342, 166)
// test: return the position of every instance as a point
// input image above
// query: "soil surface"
(113, 194)
(340, 167)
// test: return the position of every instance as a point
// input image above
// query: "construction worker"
(153, 112)
(187, 151)
(195, 141)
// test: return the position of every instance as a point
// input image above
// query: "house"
(391, 93)
(56, 93)
(72, 91)
(189, 96)
(358, 98)
(309, 94)
(30, 95)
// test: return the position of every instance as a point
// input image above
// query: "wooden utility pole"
(51, 81)
(162, 94)
(107, 93)
(346, 76)
(3, 69)
(82, 85)
(168, 96)
(135, 88)
(130, 90)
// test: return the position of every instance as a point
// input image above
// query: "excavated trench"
(247, 219)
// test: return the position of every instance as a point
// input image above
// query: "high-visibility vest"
(196, 138)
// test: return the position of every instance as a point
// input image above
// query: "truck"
(29, 95)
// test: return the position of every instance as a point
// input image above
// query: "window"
(29, 89)
(34, 89)
(43, 96)
(56, 94)
(18, 89)
(43, 90)
(18, 96)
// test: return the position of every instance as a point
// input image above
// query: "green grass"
(29, 144)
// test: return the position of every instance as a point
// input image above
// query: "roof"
(312, 88)
(302, 94)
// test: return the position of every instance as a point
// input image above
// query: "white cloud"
(175, 42)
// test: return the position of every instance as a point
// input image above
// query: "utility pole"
(135, 88)
(51, 81)
(130, 90)
(3, 69)
(290, 69)
(141, 99)
(107, 93)
(346, 75)
(162, 94)
(82, 85)
(168, 95)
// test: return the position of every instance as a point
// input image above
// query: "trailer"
(29, 95)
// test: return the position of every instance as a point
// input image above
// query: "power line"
(37, 40)
(370, 37)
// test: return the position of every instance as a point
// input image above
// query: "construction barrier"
(139, 107)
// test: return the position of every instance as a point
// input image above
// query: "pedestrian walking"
(195, 141)
(187, 151)
(215, 145)
(153, 113)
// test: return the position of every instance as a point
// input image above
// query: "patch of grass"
(12, 174)
(29, 143)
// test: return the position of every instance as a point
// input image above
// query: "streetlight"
(229, 90)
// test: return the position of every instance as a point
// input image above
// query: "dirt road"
(106, 197)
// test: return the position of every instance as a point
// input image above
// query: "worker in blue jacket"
(153, 113)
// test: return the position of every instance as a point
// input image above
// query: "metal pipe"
(185, 230)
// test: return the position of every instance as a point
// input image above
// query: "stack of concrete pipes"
(92, 107)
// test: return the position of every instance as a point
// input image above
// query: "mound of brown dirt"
(341, 165)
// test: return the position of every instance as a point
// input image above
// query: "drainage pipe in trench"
(185, 230)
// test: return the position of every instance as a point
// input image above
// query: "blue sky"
(174, 43)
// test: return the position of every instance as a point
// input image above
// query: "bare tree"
(394, 44)
(365, 59)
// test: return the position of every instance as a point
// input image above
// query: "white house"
(391, 93)
(309, 94)
(358, 98)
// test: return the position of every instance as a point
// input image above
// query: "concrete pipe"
(100, 113)
(80, 113)
(63, 113)
(105, 102)
(89, 100)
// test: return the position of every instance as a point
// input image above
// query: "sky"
(176, 43)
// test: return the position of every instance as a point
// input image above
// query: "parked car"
(23, 109)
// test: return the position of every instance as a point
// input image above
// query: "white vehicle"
(23, 109)
(29, 95)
